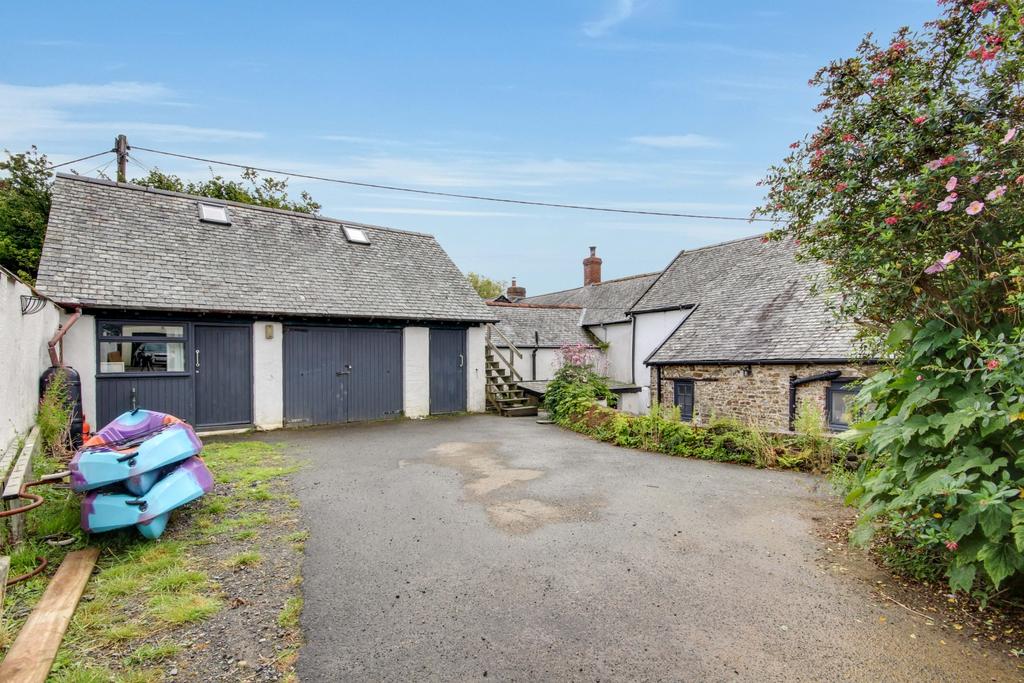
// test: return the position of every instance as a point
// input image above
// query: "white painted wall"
(619, 356)
(23, 357)
(476, 378)
(80, 353)
(652, 329)
(267, 375)
(547, 362)
(416, 371)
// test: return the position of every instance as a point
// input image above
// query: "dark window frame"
(840, 385)
(185, 340)
(684, 415)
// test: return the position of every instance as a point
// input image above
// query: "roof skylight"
(355, 235)
(214, 213)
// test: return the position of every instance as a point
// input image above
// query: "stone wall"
(760, 399)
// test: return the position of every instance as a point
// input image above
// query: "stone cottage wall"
(760, 400)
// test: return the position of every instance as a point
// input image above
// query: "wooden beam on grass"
(5, 568)
(22, 468)
(31, 656)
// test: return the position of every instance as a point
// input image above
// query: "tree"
(912, 192)
(24, 207)
(484, 286)
(265, 191)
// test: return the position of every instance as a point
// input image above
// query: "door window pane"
(684, 399)
(142, 356)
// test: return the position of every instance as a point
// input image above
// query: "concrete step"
(522, 411)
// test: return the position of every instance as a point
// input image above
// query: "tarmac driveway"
(472, 547)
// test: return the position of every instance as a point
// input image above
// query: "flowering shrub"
(912, 192)
(576, 385)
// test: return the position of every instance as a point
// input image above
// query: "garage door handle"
(462, 360)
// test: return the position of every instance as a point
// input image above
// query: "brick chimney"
(592, 268)
(515, 292)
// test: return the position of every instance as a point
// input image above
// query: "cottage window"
(141, 347)
(683, 397)
(839, 399)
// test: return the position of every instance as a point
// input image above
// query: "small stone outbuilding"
(756, 339)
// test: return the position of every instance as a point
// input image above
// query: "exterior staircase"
(503, 393)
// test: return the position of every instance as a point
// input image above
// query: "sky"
(663, 105)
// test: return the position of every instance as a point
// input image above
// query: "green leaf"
(961, 578)
(900, 332)
(963, 526)
(1000, 560)
(995, 521)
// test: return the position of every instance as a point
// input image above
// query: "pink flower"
(841, 186)
(943, 262)
(979, 6)
(917, 206)
(975, 179)
(998, 192)
(898, 46)
(975, 208)
(920, 378)
(992, 364)
(878, 80)
(1019, 180)
(794, 145)
(944, 206)
(936, 164)
(847, 137)
(1010, 134)
(951, 546)
(892, 220)
(951, 185)
(920, 119)
(986, 55)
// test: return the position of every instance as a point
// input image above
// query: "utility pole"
(121, 148)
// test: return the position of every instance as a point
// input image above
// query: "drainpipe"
(658, 370)
(795, 382)
(533, 356)
(55, 358)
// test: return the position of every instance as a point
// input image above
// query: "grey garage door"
(341, 374)
(447, 371)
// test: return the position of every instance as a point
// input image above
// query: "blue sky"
(650, 104)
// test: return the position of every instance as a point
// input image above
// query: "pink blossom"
(951, 185)
(1010, 134)
(975, 208)
(952, 546)
(920, 119)
(892, 220)
(847, 137)
(979, 6)
(917, 206)
(944, 206)
(992, 364)
(936, 164)
(1019, 180)
(841, 186)
(878, 80)
(794, 145)
(975, 179)
(920, 378)
(998, 192)
(943, 262)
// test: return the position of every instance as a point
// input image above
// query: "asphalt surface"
(485, 547)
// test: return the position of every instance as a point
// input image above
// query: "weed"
(149, 654)
(289, 615)
(245, 559)
(183, 608)
(177, 580)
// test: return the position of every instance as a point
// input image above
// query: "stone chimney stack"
(592, 268)
(515, 292)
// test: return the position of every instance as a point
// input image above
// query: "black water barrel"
(74, 384)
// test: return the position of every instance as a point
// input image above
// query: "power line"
(483, 198)
(75, 161)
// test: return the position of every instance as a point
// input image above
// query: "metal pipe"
(795, 382)
(51, 347)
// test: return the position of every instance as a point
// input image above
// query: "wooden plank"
(7, 459)
(21, 466)
(31, 656)
(5, 568)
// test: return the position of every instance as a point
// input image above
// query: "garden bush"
(911, 191)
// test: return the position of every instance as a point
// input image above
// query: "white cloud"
(38, 114)
(684, 141)
(618, 12)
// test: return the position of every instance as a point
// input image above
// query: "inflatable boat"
(150, 511)
(132, 450)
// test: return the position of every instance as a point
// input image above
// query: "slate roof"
(603, 303)
(122, 246)
(555, 325)
(753, 302)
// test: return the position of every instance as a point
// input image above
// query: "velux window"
(683, 397)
